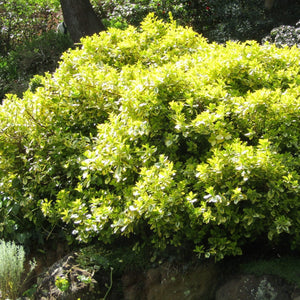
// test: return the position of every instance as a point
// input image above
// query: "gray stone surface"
(66, 268)
(250, 287)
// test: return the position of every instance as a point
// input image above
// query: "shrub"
(28, 45)
(21, 20)
(284, 35)
(156, 135)
(217, 20)
(12, 258)
(37, 56)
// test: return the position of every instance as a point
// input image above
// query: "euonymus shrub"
(154, 133)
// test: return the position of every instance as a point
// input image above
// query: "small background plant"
(285, 35)
(37, 56)
(62, 283)
(12, 258)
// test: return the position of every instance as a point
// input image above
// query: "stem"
(111, 283)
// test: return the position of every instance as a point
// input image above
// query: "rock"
(296, 294)
(250, 287)
(79, 283)
(170, 282)
(133, 285)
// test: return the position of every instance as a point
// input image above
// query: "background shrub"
(217, 20)
(21, 21)
(37, 56)
(28, 43)
(285, 35)
(157, 136)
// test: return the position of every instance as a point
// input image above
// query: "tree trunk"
(80, 18)
(269, 4)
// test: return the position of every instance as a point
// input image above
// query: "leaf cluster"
(154, 134)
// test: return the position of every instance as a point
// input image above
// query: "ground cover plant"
(155, 135)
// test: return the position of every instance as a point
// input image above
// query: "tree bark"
(269, 4)
(80, 18)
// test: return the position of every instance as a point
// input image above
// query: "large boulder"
(172, 282)
(250, 287)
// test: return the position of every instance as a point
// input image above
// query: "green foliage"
(284, 36)
(21, 20)
(62, 283)
(39, 55)
(12, 258)
(133, 12)
(118, 257)
(155, 134)
(28, 43)
(217, 20)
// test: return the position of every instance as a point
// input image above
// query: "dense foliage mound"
(156, 135)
